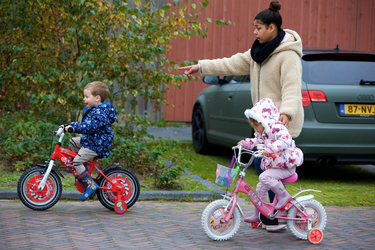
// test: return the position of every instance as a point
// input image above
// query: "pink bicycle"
(305, 217)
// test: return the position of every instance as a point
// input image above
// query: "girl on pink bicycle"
(280, 151)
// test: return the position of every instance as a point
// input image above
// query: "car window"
(338, 72)
(233, 79)
(246, 78)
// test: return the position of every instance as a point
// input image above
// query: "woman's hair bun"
(274, 6)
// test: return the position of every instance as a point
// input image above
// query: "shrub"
(27, 140)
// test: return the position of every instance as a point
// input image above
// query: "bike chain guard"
(267, 221)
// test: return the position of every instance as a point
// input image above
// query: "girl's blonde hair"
(252, 121)
(98, 88)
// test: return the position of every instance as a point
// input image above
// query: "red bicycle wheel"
(124, 183)
(122, 177)
(120, 207)
(39, 196)
(315, 236)
(27, 189)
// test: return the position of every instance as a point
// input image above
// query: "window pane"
(337, 72)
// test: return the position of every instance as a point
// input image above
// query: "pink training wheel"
(315, 236)
(120, 207)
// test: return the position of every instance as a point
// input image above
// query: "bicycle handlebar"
(62, 129)
(59, 131)
(257, 154)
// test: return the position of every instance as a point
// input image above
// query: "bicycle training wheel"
(317, 214)
(212, 221)
(126, 179)
(315, 236)
(28, 193)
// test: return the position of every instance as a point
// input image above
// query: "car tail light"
(309, 96)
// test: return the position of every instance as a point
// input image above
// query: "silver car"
(338, 91)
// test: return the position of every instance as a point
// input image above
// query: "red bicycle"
(40, 188)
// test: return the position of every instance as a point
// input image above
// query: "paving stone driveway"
(156, 225)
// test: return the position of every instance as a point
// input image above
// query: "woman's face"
(264, 34)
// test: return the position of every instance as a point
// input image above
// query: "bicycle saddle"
(291, 179)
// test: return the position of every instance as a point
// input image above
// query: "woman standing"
(274, 66)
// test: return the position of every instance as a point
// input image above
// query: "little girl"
(272, 137)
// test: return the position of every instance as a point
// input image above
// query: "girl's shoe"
(88, 184)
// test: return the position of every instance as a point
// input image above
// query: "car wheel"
(200, 143)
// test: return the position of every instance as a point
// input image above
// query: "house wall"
(320, 23)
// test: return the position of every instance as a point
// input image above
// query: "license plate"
(357, 110)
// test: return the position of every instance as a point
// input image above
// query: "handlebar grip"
(273, 155)
(70, 130)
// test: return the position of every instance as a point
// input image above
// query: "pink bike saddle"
(291, 179)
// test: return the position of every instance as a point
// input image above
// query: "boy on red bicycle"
(273, 137)
(97, 133)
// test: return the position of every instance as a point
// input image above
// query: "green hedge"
(27, 140)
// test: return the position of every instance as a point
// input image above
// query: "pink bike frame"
(264, 208)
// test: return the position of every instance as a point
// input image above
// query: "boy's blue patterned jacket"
(96, 128)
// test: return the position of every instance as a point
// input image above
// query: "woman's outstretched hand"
(190, 70)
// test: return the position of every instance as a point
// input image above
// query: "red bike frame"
(63, 155)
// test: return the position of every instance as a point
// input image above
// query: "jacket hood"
(107, 109)
(264, 112)
(294, 44)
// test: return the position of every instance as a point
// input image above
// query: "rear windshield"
(338, 72)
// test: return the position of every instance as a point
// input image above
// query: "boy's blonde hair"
(98, 88)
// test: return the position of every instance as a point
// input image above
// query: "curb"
(146, 195)
(143, 196)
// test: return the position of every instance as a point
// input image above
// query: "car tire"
(199, 133)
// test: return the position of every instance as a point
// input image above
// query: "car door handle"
(230, 95)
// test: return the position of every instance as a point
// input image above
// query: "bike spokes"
(302, 226)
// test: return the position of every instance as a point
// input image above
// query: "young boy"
(97, 133)
(274, 137)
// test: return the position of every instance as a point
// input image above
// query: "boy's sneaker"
(259, 225)
(273, 228)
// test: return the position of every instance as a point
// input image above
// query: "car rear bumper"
(342, 142)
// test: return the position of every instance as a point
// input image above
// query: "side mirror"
(211, 80)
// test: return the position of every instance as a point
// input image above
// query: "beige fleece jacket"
(278, 77)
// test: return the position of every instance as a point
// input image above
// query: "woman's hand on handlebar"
(190, 70)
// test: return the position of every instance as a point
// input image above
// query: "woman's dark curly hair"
(271, 15)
